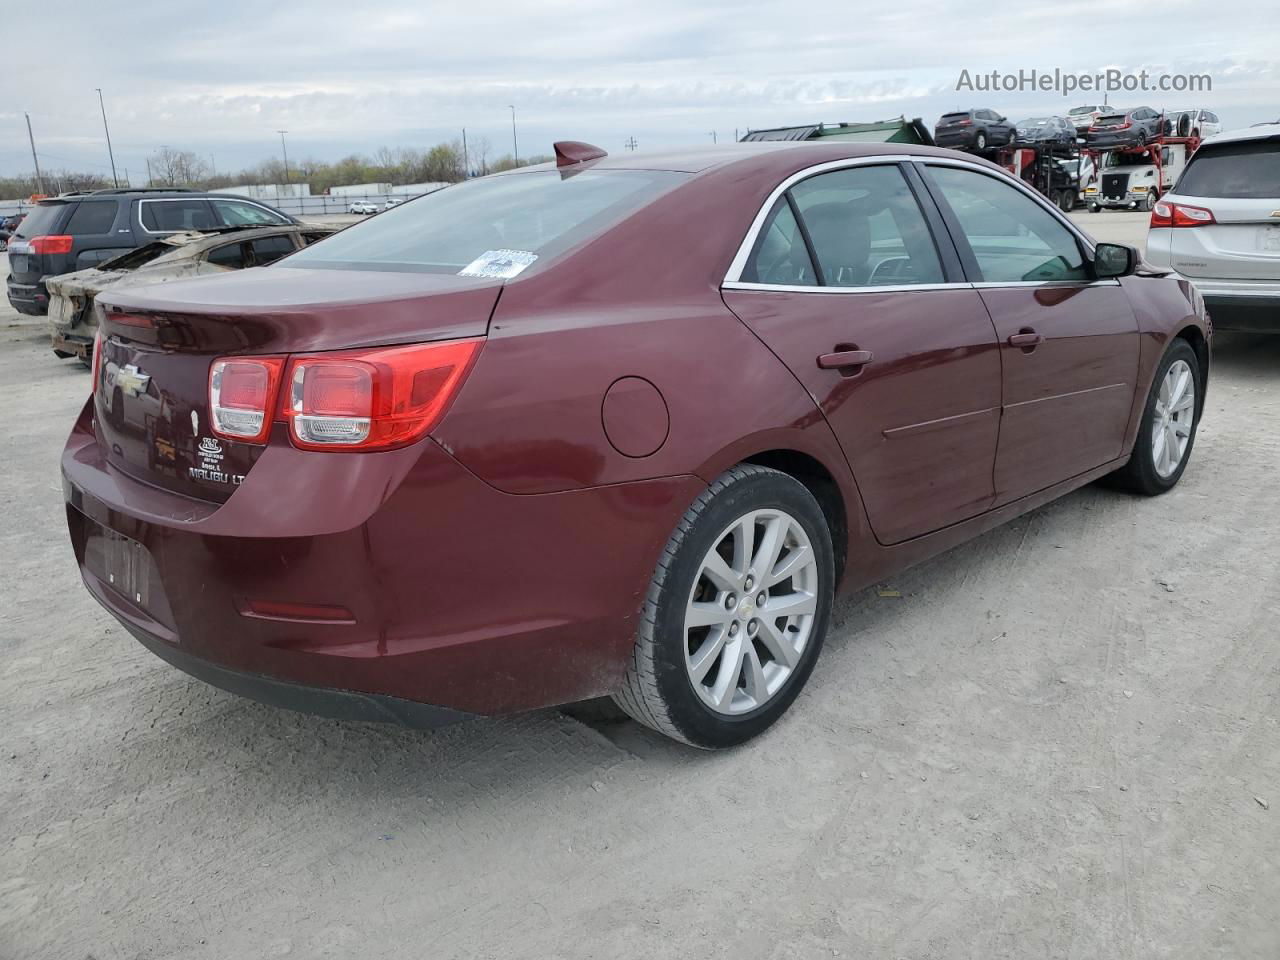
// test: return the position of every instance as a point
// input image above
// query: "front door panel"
(1066, 399)
(919, 422)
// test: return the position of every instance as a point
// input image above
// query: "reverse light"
(374, 399)
(51, 244)
(242, 393)
(1168, 214)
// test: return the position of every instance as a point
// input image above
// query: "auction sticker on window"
(498, 264)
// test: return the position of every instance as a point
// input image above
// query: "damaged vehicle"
(178, 256)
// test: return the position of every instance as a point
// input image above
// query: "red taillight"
(373, 399)
(51, 244)
(1167, 214)
(97, 361)
(242, 394)
(964, 123)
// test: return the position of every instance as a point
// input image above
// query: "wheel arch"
(820, 482)
(1200, 344)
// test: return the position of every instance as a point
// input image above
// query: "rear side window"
(270, 249)
(92, 217)
(1013, 238)
(867, 229)
(1233, 171)
(170, 216)
(41, 221)
(231, 256)
(780, 256)
(540, 213)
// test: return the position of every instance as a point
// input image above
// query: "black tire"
(980, 141)
(1139, 474)
(658, 691)
(1152, 198)
(1067, 201)
(1013, 135)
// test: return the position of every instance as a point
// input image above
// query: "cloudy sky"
(221, 79)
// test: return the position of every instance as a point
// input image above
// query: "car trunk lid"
(151, 392)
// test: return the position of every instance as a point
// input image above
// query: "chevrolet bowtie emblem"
(132, 380)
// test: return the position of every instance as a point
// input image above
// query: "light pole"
(39, 179)
(285, 154)
(515, 149)
(115, 181)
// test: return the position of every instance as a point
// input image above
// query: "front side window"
(171, 216)
(867, 228)
(1013, 238)
(237, 213)
(541, 213)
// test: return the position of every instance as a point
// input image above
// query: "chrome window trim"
(732, 279)
(739, 263)
(799, 288)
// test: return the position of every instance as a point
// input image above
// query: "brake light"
(51, 244)
(964, 123)
(1167, 214)
(374, 399)
(97, 361)
(242, 393)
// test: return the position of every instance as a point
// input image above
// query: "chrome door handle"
(1025, 339)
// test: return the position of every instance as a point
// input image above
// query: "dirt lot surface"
(1062, 740)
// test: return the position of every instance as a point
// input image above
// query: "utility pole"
(466, 167)
(713, 137)
(115, 181)
(630, 143)
(148, 171)
(285, 153)
(515, 149)
(39, 179)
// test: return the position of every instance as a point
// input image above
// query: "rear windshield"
(951, 117)
(1238, 171)
(1077, 111)
(41, 220)
(533, 215)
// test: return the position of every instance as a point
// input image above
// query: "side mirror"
(1114, 260)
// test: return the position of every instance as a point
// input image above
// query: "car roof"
(1263, 131)
(767, 157)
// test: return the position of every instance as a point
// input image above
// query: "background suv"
(1220, 228)
(975, 130)
(76, 231)
(1131, 128)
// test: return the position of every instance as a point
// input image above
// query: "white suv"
(1219, 227)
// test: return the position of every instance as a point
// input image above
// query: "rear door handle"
(1028, 338)
(845, 358)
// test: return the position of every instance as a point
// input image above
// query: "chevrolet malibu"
(611, 426)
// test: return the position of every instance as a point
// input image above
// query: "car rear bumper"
(453, 594)
(955, 138)
(28, 298)
(1243, 312)
(1103, 141)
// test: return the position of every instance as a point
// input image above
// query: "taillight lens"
(97, 361)
(373, 399)
(51, 244)
(1167, 214)
(242, 394)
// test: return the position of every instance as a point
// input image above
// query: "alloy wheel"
(751, 611)
(1174, 416)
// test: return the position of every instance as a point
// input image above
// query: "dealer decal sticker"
(498, 264)
(209, 453)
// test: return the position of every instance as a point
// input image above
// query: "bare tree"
(176, 168)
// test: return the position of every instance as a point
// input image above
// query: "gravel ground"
(1060, 741)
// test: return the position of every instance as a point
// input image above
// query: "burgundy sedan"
(611, 426)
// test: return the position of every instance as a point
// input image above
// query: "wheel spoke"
(777, 643)
(1158, 443)
(799, 558)
(701, 661)
(1180, 378)
(744, 535)
(729, 674)
(703, 614)
(775, 531)
(715, 569)
(1186, 403)
(756, 683)
(790, 605)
